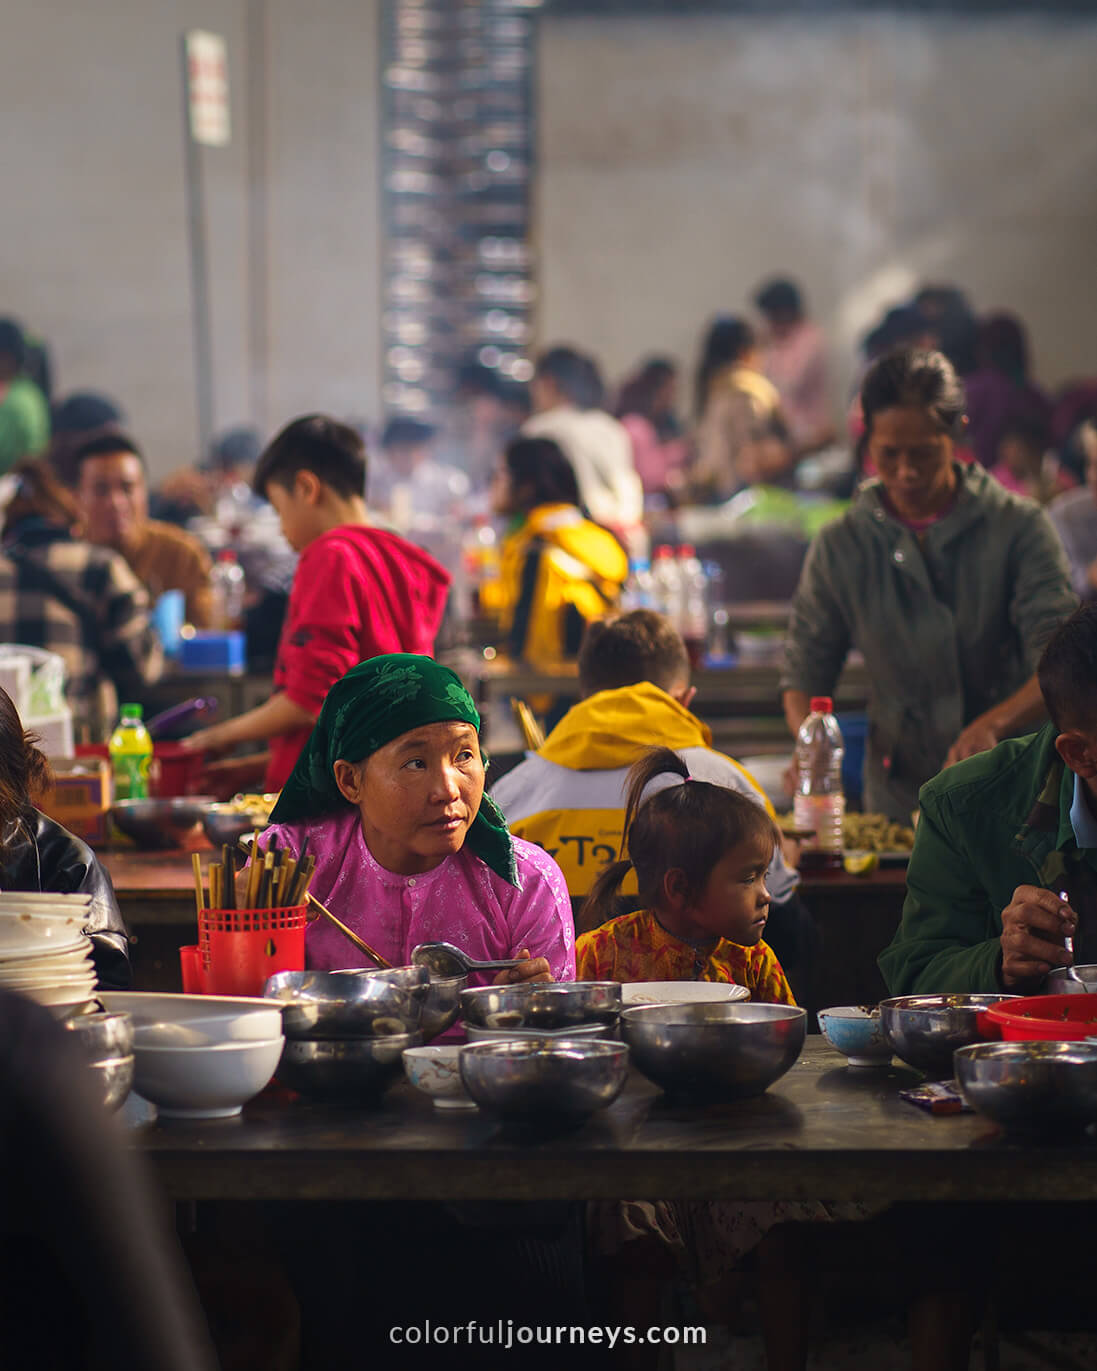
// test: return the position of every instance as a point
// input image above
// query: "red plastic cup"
(190, 967)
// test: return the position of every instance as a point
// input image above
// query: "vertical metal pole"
(194, 191)
(258, 214)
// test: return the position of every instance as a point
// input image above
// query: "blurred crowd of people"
(532, 502)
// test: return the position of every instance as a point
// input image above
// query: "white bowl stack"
(44, 952)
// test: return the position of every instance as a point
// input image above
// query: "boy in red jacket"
(358, 590)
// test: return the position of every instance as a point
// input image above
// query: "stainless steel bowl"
(1060, 982)
(442, 1006)
(160, 823)
(1031, 1087)
(345, 1070)
(605, 1032)
(103, 1036)
(561, 1004)
(717, 1050)
(925, 1030)
(350, 1004)
(224, 823)
(113, 1078)
(554, 1077)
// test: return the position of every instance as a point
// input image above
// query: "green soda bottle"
(130, 751)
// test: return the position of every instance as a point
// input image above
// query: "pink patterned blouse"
(460, 901)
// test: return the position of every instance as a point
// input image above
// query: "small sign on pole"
(208, 88)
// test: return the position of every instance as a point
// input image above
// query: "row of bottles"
(677, 585)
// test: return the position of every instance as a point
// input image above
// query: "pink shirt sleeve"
(540, 913)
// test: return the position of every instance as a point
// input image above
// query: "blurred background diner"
(458, 327)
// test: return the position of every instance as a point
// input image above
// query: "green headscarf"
(374, 703)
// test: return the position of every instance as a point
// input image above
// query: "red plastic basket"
(239, 948)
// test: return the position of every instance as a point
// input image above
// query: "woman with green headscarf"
(389, 793)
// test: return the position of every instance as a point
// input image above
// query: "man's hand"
(532, 969)
(1034, 924)
(979, 736)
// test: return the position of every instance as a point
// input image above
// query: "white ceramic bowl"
(856, 1033)
(683, 992)
(212, 1082)
(28, 934)
(197, 1020)
(436, 1072)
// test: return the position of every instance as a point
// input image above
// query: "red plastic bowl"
(1046, 1018)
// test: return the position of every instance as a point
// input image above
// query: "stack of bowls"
(44, 952)
(107, 1042)
(569, 1009)
(717, 1051)
(200, 1056)
(346, 1031)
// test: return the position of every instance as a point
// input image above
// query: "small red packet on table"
(937, 1097)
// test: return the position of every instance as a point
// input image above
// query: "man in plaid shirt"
(77, 600)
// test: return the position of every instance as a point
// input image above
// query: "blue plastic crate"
(213, 652)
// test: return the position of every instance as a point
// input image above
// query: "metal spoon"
(444, 961)
(1068, 943)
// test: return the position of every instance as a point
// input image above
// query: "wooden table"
(857, 916)
(824, 1131)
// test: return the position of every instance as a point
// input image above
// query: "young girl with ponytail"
(700, 854)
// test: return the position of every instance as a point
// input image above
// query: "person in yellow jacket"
(569, 795)
(559, 571)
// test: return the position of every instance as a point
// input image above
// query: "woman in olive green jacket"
(947, 584)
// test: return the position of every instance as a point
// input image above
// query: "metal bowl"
(561, 1077)
(561, 1004)
(159, 823)
(1031, 1087)
(113, 1078)
(350, 1004)
(925, 1030)
(103, 1036)
(605, 1032)
(442, 1006)
(345, 1070)
(1060, 982)
(224, 823)
(728, 1051)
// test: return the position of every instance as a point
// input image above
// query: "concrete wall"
(682, 160)
(94, 249)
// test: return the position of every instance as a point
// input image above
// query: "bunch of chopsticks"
(273, 880)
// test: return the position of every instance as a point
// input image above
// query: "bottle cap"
(687, 550)
(822, 704)
(226, 555)
(663, 551)
(132, 711)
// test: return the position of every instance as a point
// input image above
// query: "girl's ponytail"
(601, 903)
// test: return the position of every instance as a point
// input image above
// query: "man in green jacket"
(1004, 865)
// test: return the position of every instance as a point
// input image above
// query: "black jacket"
(41, 855)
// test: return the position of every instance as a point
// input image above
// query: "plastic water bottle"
(227, 583)
(667, 584)
(639, 591)
(130, 750)
(694, 624)
(820, 803)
